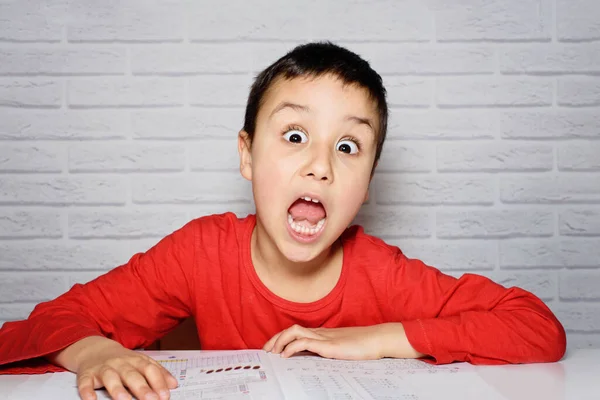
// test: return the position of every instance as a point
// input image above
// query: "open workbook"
(255, 374)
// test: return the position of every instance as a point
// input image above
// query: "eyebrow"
(305, 109)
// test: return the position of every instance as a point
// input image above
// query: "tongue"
(308, 210)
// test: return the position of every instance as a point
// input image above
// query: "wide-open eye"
(348, 146)
(295, 136)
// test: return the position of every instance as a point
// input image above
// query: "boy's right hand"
(101, 362)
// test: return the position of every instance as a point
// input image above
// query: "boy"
(293, 277)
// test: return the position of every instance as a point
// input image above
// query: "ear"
(245, 154)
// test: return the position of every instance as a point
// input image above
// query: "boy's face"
(315, 137)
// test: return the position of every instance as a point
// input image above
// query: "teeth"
(309, 199)
(304, 230)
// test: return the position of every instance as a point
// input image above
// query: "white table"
(576, 377)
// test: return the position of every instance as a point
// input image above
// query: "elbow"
(558, 342)
(552, 343)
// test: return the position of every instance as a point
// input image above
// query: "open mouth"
(307, 216)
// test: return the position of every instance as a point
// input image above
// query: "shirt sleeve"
(471, 318)
(133, 304)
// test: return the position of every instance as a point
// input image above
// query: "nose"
(319, 165)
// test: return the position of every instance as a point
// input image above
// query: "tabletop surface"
(575, 377)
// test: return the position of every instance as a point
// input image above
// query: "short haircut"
(315, 60)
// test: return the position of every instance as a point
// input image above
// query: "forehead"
(326, 95)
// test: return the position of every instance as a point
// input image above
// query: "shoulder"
(219, 231)
(220, 223)
(375, 253)
(363, 245)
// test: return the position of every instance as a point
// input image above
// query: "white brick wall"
(118, 124)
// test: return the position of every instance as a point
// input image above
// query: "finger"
(323, 348)
(168, 377)
(153, 372)
(111, 380)
(269, 345)
(294, 333)
(136, 383)
(85, 386)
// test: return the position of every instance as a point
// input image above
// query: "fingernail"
(151, 396)
(164, 394)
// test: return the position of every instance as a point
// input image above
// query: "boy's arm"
(472, 318)
(134, 304)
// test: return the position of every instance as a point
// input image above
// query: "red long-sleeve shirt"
(205, 270)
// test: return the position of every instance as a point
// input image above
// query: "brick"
(183, 124)
(126, 157)
(15, 312)
(30, 92)
(549, 253)
(192, 59)
(214, 155)
(31, 158)
(235, 20)
(579, 318)
(578, 91)
(389, 223)
(63, 256)
(34, 20)
(125, 92)
(488, 156)
(124, 223)
(579, 285)
(583, 341)
(29, 287)
(580, 222)
(581, 252)
(193, 188)
(62, 61)
(408, 92)
(542, 284)
(63, 125)
(30, 224)
(481, 91)
(410, 189)
(403, 157)
(61, 190)
(147, 21)
(557, 189)
(577, 20)
(494, 224)
(579, 157)
(550, 124)
(220, 90)
(427, 59)
(551, 58)
(512, 20)
(444, 124)
(452, 255)
(410, 20)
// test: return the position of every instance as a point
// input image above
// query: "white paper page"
(315, 378)
(230, 375)
(223, 375)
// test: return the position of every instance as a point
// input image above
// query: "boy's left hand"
(353, 343)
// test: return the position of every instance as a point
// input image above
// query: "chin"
(300, 254)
